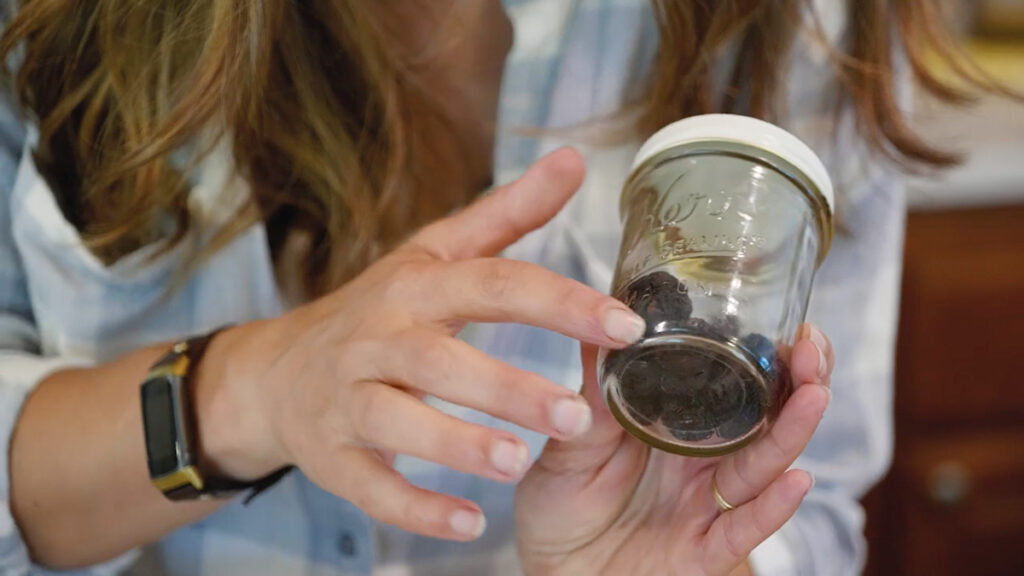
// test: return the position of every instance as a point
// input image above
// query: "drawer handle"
(949, 483)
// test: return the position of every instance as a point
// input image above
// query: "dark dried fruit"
(659, 298)
(698, 391)
(643, 413)
(691, 434)
(640, 393)
(683, 418)
(749, 416)
(761, 348)
(727, 326)
(699, 326)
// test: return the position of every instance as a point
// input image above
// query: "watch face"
(161, 430)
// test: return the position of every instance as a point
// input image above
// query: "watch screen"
(158, 411)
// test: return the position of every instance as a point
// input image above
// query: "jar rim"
(746, 131)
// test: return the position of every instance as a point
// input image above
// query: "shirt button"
(347, 544)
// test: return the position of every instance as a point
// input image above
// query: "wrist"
(231, 424)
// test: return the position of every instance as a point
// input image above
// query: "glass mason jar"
(726, 219)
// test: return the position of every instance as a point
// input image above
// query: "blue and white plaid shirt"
(573, 59)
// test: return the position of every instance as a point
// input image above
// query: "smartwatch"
(168, 418)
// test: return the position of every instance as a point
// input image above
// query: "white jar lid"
(741, 130)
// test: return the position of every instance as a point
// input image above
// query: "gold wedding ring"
(722, 503)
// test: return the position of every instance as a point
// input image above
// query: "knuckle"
(467, 453)
(778, 447)
(570, 294)
(499, 395)
(458, 445)
(578, 301)
(495, 279)
(388, 510)
(742, 471)
(430, 356)
(732, 538)
(760, 521)
(505, 389)
(364, 501)
(349, 357)
(405, 281)
(414, 513)
(370, 414)
(430, 349)
(526, 395)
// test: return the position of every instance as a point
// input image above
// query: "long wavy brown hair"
(325, 120)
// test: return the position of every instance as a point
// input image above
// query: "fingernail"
(570, 417)
(622, 325)
(820, 342)
(509, 457)
(468, 523)
(812, 481)
(828, 391)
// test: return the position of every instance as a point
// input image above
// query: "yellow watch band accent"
(179, 478)
(179, 367)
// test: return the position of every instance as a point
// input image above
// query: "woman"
(192, 165)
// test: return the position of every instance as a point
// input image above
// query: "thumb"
(506, 214)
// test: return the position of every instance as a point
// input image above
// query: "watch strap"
(215, 487)
(180, 361)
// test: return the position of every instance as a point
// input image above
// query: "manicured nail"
(468, 523)
(820, 342)
(622, 325)
(509, 457)
(570, 417)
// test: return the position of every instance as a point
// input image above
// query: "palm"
(640, 503)
(608, 504)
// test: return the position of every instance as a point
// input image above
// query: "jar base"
(687, 394)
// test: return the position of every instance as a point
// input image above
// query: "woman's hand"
(336, 387)
(605, 503)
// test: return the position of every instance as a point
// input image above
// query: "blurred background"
(953, 502)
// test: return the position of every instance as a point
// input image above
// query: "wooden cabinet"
(953, 502)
